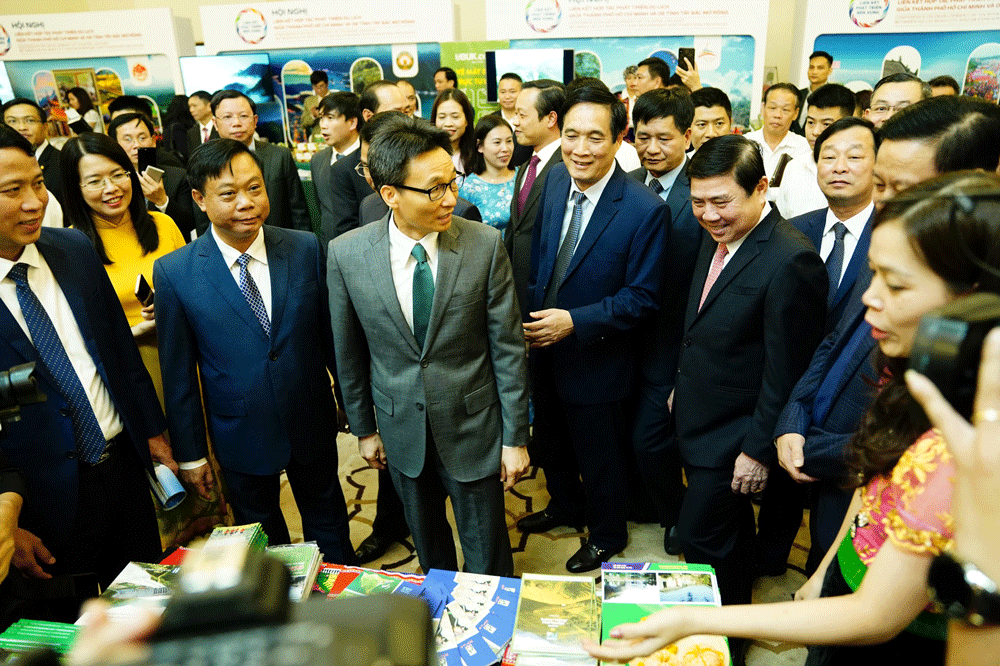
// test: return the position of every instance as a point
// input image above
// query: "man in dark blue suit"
(845, 160)
(83, 450)
(662, 120)
(244, 309)
(597, 262)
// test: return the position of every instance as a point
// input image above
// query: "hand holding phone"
(143, 291)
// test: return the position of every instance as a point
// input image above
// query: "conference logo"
(543, 15)
(868, 13)
(4, 41)
(251, 26)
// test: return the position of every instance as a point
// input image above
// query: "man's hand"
(153, 190)
(372, 450)
(200, 479)
(30, 553)
(749, 476)
(689, 75)
(514, 462)
(160, 452)
(790, 456)
(552, 326)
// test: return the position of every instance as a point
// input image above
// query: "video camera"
(18, 387)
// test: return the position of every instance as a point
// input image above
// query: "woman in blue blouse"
(490, 186)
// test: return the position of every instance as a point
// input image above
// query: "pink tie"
(204, 135)
(713, 272)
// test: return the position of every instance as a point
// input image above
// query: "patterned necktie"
(423, 293)
(713, 272)
(835, 262)
(250, 292)
(656, 186)
(204, 135)
(529, 180)
(565, 252)
(86, 431)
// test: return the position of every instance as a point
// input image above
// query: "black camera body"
(18, 387)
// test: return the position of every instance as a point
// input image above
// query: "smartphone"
(147, 158)
(685, 58)
(143, 291)
(154, 173)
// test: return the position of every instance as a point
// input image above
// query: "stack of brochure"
(554, 615)
(141, 585)
(302, 560)
(26, 635)
(253, 534)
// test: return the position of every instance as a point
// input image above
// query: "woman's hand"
(811, 588)
(641, 639)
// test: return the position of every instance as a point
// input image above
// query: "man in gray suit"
(235, 117)
(430, 352)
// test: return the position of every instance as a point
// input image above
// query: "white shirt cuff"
(194, 464)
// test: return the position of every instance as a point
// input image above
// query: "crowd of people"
(618, 289)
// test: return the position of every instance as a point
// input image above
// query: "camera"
(948, 346)
(18, 387)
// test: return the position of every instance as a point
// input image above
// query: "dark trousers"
(390, 521)
(585, 474)
(780, 517)
(479, 515)
(318, 495)
(828, 504)
(656, 453)
(716, 527)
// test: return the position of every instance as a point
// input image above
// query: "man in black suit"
(200, 105)
(754, 316)
(536, 124)
(28, 119)
(171, 194)
(662, 121)
(347, 186)
(119, 106)
(340, 122)
(235, 117)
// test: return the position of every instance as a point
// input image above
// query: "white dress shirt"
(855, 227)
(544, 155)
(668, 179)
(792, 144)
(736, 244)
(627, 157)
(53, 300)
(256, 267)
(590, 198)
(350, 149)
(201, 130)
(799, 192)
(402, 264)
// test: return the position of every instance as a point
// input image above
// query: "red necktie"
(713, 272)
(204, 135)
(529, 180)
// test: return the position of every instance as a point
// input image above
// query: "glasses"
(883, 109)
(437, 192)
(229, 117)
(97, 184)
(22, 122)
(361, 169)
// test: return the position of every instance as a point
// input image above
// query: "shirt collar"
(855, 225)
(230, 254)
(41, 148)
(28, 256)
(668, 179)
(735, 245)
(400, 245)
(209, 125)
(545, 154)
(350, 149)
(593, 193)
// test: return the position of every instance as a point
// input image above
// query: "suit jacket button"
(273, 356)
(424, 364)
(420, 406)
(687, 342)
(64, 411)
(71, 454)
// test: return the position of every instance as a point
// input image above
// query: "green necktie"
(423, 293)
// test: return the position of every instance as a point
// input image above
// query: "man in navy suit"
(754, 317)
(662, 121)
(242, 313)
(82, 451)
(597, 262)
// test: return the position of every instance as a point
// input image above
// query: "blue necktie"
(835, 262)
(249, 289)
(565, 252)
(657, 187)
(87, 432)
(423, 293)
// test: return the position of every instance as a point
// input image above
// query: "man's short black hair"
(390, 153)
(904, 77)
(211, 158)
(449, 74)
(19, 101)
(783, 86)
(833, 95)
(839, 126)
(130, 103)
(551, 96)
(127, 118)
(822, 54)
(342, 103)
(369, 100)
(658, 68)
(9, 138)
(586, 82)
(318, 76)
(222, 95)
(730, 155)
(511, 75)
(945, 81)
(964, 130)
(203, 95)
(593, 95)
(377, 123)
(709, 97)
(663, 103)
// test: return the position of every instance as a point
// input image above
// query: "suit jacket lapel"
(700, 274)
(817, 224)
(679, 195)
(377, 258)
(856, 265)
(278, 268)
(539, 184)
(449, 262)
(218, 275)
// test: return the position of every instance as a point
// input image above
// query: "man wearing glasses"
(894, 93)
(430, 353)
(235, 117)
(28, 120)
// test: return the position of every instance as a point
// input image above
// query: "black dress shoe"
(375, 546)
(543, 521)
(588, 558)
(672, 542)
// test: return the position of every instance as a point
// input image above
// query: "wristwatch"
(965, 592)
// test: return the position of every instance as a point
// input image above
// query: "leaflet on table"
(302, 560)
(140, 585)
(554, 615)
(336, 579)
